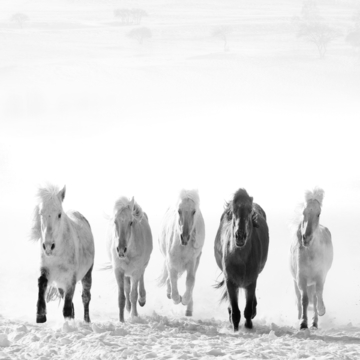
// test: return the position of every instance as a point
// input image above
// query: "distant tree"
(311, 26)
(222, 32)
(140, 34)
(123, 14)
(20, 19)
(137, 15)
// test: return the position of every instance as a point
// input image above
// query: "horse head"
(187, 212)
(242, 216)
(127, 214)
(310, 221)
(50, 217)
(311, 215)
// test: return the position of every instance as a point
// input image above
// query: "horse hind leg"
(142, 291)
(86, 294)
(41, 304)
(127, 286)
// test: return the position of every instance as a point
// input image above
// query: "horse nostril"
(52, 246)
(304, 237)
(182, 238)
(117, 249)
(44, 246)
(125, 250)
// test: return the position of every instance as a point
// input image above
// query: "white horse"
(311, 256)
(129, 247)
(67, 251)
(181, 241)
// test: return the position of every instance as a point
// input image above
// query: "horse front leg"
(234, 312)
(41, 304)
(190, 282)
(127, 287)
(302, 284)
(134, 295)
(315, 318)
(174, 288)
(68, 310)
(142, 291)
(119, 275)
(298, 299)
(251, 302)
(319, 288)
(86, 295)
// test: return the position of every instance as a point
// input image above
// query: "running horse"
(129, 248)
(311, 256)
(181, 241)
(241, 249)
(67, 252)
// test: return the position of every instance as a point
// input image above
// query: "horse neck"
(67, 238)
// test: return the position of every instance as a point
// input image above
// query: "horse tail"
(161, 280)
(219, 285)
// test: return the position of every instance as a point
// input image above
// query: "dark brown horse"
(241, 249)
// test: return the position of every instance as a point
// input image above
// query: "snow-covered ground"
(84, 104)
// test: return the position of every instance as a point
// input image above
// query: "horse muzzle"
(240, 239)
(48, 248)
(306, 240)
(184, 239)
(121, 252)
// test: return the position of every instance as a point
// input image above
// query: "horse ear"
(255, 219)
(61, 194)
(132, 204)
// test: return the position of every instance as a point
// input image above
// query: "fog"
(84, 105)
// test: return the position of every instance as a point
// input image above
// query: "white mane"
(44, 195)
(124, 203)
(190, 194)
(317, 194)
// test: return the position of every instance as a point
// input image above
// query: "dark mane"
(242, 197)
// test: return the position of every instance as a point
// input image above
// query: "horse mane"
(44, 194)
(190, 194)
(241, 196)
(124, 203)
(317, 194)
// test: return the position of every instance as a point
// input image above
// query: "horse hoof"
(236, 328)
(248, 324)
(87, 319)
(178, 300)
(314, 326)
(40, 319)
(142, 302)
(303, 326)
(321, 311)
(168, 296)
(188, 313)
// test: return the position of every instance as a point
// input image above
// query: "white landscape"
(217, 95)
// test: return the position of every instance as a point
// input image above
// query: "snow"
(82, 104)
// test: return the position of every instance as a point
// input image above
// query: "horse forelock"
(317, 194)
(190, 195)
(124, 203)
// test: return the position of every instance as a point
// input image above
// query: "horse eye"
(131, 223)
(194, 212)
(59, 216)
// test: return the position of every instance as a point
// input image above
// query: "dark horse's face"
(186, 220)
(242, 222)
(310, 222)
